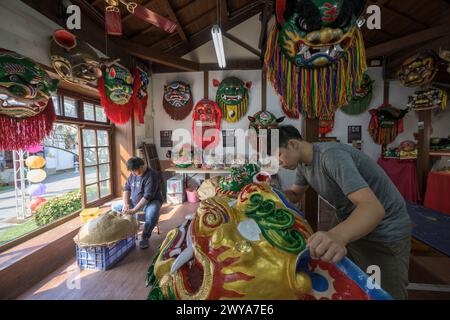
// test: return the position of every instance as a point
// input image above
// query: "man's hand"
(327, 246)
(125, 208)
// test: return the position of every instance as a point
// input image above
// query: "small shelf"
(442, 153)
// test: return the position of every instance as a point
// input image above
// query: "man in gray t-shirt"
(374, 223)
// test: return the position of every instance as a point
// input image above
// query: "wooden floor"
(124, 281)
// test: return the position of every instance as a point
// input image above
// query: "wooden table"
(194, 171)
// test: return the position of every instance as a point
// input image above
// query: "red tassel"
(20, 134)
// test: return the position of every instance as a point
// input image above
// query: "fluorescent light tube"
(216, 33)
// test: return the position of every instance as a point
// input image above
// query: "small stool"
(142, 213)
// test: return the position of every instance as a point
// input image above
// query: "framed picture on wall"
(166, 138)
(354, 133)
(228, 138)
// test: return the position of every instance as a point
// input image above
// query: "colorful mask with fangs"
(315, 55)
(419, 69)
(232, 98)
(253, 250)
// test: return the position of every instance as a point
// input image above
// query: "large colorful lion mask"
(254, 249)
(386, 123)
(232, 98)
(419, 69)
(122, 93)
(315, 55)
(26, 109)
(206, 124)
(74, 61)
(178, 100)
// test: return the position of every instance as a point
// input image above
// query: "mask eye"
(302, 24)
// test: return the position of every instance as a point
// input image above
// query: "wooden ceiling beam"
(231, 65)
(162, 39)
(204, 35)
(403, 43)
(242, 44)
(156, 56)
(395, 13)
(266, 14)
(395, 64)
(173, 17)
(224, 11)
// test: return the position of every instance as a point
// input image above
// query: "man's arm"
(295, 193)
(150, 189)
(331, 246)
(126, 200)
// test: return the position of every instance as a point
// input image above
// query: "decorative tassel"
(21, 134)
(315, 91)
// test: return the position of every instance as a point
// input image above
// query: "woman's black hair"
(134, 163)
(287, 133)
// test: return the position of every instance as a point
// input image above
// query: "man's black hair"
(134, 163)
(288, 133)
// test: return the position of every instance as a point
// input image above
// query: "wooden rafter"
(157, 43)
(266, 14)
(204, 35)
(224, 10)
(142, 52)
(173, 17)
(403, 43)
(241, 43)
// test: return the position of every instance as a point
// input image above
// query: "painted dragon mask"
(232, 98)
(178, 100)
(123, 93)
(253, 249)
(419, 69)
(428, 99)
(206, 118)
(386, 123)
(362, 98)
(74, 61)
(238, 179)
(26, 109)
(315, 55)
(264, 120)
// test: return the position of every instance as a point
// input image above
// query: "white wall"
(25, 31)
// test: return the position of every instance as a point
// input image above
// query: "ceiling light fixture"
(217, 37)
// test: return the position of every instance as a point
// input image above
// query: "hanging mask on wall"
(428, 99)
(362, 98)
(206, 116)
(178, 100)
(326, 124)
(141, 83)
(232, 98)
(27, 113)
(116, 89)
(74, 61)
(264, 120)
(445, 55)
(386, 123)
(315, 54)
(419, 69)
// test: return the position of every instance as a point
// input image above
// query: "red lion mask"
(207, 115)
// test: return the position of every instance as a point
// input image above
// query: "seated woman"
(142, 192)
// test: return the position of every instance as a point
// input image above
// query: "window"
(70, 107)
(96, 164)
(78, 167)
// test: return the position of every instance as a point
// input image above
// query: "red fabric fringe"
(121, 114)
(20, 134)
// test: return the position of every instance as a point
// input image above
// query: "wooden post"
(310, 203)
(206, 96)
(263, 88)
(423, 156)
